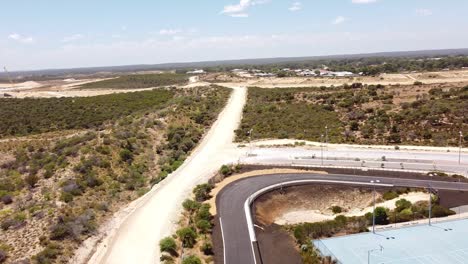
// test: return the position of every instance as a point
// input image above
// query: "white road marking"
(224, 242)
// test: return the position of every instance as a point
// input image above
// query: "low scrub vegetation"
(32, 116)
(69, 185)
(363, 114)
(140, 81)
(194, 233)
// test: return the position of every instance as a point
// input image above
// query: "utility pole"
(460, 148)
(250, 142)
(430, 207)
(326, 137)
(321, 147)
(373, 212)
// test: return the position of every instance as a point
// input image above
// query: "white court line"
(224, 243)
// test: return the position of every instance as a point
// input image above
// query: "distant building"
(343, 74)
(196, 72)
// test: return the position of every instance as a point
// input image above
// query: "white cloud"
(239, 15)
(20, 38)
(423, 12)
(72, 38)
(170, 32)
(338, 20)
(296, 6)
(240, 10)
(363, 1)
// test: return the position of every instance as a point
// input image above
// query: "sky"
(85, 33)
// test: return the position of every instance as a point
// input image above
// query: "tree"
(381, 217)
(191, 260)
(207, 248)
(168, 245)
(402, 204)
(191, 205)
(188, 236)
(204, 226)
(202, 192)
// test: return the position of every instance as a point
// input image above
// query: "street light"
(372, 250)
(373, 212)
(460, 148)
(326, 136)
(321, 147)
(250, 142)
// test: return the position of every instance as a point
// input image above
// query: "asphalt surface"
(230, 205)
(369, 158)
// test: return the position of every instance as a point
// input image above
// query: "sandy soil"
(384, 79)
(133, 234)
(311, 216)
(317, 199)
(58, 88)
(289, 142)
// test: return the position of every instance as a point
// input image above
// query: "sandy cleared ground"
(311, 216)
(289, 142)
(384, 79)
(132, 236)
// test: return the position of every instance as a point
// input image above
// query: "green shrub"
(203, 213)
(225, 170)
(336, 209)
(202, 192)
(48, 254)
(187, 236)
(191, 260)
(390, 195)
(381, 217)
(207, 248)
(402, 204)
(168, 245)
(191, 205)
(204, 226)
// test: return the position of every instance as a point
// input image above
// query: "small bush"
(191, 205)
(225, 170)
(336, 209)
(202, 192)
(207, 248)
(168, 245)
(48, 254)
(188, 236)
(191, 260)
(204, 226)
(389, 195)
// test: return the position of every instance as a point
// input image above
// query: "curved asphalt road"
(238, 247)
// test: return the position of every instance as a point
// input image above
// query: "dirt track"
(133, 234)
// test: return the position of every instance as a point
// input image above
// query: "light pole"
(321, 147)
(326, 136)
(250, 142)
(373, 212)
(430, 207)
(460, 148)
(372, 250)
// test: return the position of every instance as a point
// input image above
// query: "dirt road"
(134, 233)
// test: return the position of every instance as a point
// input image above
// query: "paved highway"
(368, 158)
(239, 245)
